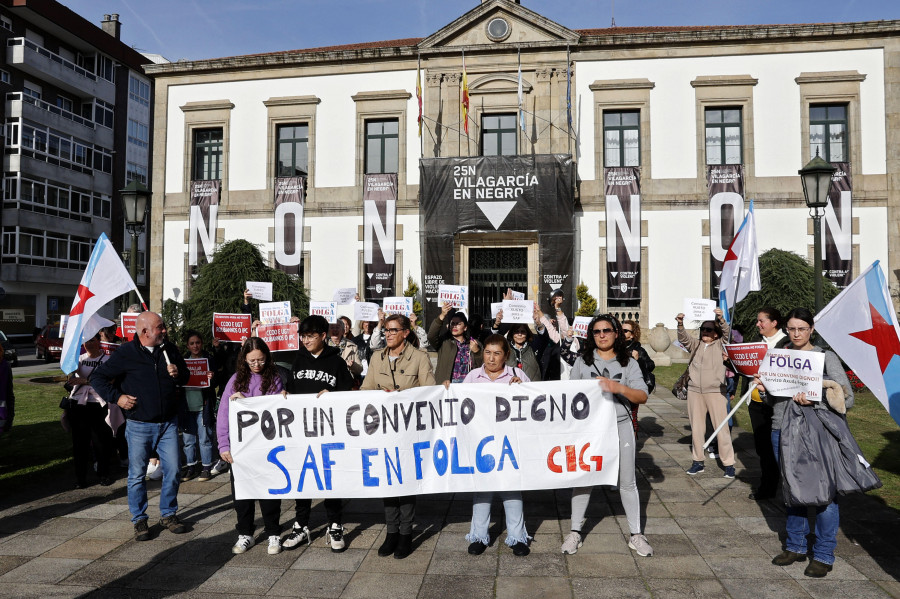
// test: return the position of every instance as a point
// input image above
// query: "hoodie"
(327, 372)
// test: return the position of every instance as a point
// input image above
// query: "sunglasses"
(598, 332)
(707, 330)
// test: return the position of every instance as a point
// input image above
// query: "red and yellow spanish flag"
(465, 98)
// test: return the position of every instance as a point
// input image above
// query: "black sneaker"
(173, 524)
(520, 549)
(190, 472)
(298, 536)
(477, 548)
(336, 537)
(141, 530)
(205, 475)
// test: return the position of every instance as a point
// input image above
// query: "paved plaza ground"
(709, 540)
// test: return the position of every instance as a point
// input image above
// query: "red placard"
(746, 357)
(108, 348)
(198, 367)
(231, 327)
(129, 325)
(280, 337)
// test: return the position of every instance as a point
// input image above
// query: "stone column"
(433, 129)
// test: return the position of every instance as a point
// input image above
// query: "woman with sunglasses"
(254, 376)
(800, 328)
(605, 358)
(397, 367)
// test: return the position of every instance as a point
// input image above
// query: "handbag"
(680, 388)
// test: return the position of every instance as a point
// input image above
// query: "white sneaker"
(336, 537)
(640, 545)
(299, 535)
(154, 471)
(274, 545)
(220, 468)
(243, 543)
(572, 543)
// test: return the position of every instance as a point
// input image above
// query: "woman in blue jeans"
(496, 353)
(197, 419)
(800, 331)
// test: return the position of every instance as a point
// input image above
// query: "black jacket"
(310, 374)
(132, 370)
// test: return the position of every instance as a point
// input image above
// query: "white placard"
(490, 448)
(260, 290)
(518, 311)
(786, 372)
(456, 295)
(516, 295)
(63, 323)
(495, 309)
(344, 295)
(326, 309)
(367, 311)
(397, 305)
(580, 326)
(275, 312)
(699, 309)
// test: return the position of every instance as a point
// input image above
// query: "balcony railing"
(51, 108)
(21, 41)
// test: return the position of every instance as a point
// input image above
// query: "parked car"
(48, 344)
(9, 352)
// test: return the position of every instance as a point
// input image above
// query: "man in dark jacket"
(142, 378)
(318, 368)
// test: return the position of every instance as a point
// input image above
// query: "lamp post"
(135, 203)
(816, 179)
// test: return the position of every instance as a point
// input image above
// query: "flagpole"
(568, 101)
(730, 414)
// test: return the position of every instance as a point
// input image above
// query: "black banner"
(289, 198)
(837, 234)
(623, 233)
(203, 219)
(379, 234)
(498, 194)
(726, 211)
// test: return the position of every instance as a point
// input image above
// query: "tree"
(787, 283)
(412, 290)
(587, 304)
(220, 285)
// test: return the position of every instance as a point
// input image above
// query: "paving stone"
(824, 588)
(842, 571)
(460, 563)
(440, 586)
(881, 568)
(238, 580)
(763, 588)
(104, 511)
(111, 529)
(65, 527)
(42, 591)
(172, 577)
(542, 565)
(416, 563)
(109, 573)
(675, 588)
(365, 585)
(727, 542)
(311, 583)
(204, 552)
(609, 588)
(44, 570)
(30, 545)
(521, 587)
(602, 565)
(746, 567)
(891, 587)
(144, 551)
(315, 558)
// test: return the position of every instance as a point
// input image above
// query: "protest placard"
(746, 357)
(231, 327)
(580, 326)
(516, 295)
(275, 312)
(198, 367)
(456, 295)
(470, 438)
(326, 309)
(397, 305)
(63, 324)
(518, 311)
(280, 337)
(108, 348)
(128, 325)
(344, 295)
(495, 309)
(699, 309)
(367, 311)
(260, 290)
(786, 372)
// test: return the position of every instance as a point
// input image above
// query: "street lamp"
(135, 203)
(816, 179)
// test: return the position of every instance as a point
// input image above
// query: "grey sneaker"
(572, 543)
(640, 545)
(244, 542)
(298, 536)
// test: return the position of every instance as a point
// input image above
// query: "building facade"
(77, 128)
(648, 145)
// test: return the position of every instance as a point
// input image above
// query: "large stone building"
(627, 164)
(77, 125)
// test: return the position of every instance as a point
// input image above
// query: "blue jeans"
(194, 433)
(827, 522)
(143, 438)
(481, 518)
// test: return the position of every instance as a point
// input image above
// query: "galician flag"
(740, 270)
(860, 325)
(105, 279)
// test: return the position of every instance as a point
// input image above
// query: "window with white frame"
(104, 113)
(4, 76)
(621, 138)
(723, 135)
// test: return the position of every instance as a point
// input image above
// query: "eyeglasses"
(598, 332)
(257, 362)
(795, 330)
(393, 331)
(707, 330)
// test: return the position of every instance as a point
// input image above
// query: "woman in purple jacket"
(255, 375)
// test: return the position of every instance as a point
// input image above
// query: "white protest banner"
(280, 337)
(260, 290)
(580, 326)
(344, 295)
(518, 311)
(746, 357)
(485, 437)
(128, 325)
(326, 309)
(198, 367)
(495, 309)
(516, 295)
(275, 312)
(367, 311)
(231, 327)
(699, 309)
(397, 305)
(456, 295)
(786, 372)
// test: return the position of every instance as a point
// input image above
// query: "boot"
(404, 547)
(389, 545)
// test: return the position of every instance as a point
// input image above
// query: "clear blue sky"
(195, 29)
